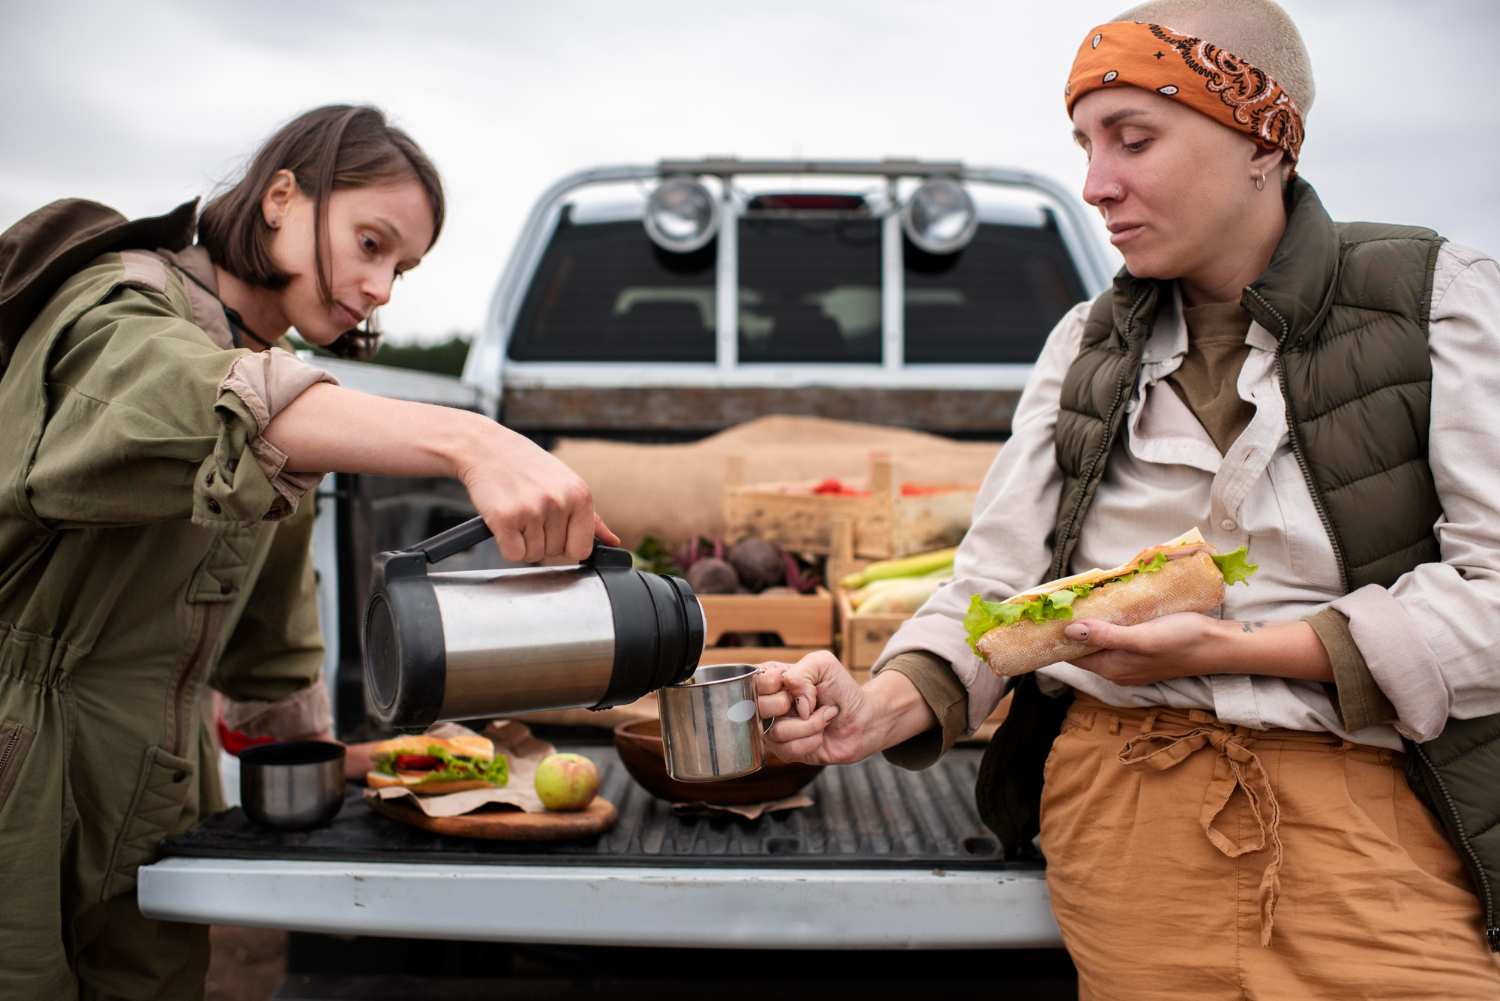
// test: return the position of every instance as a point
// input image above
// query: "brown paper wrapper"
(750, 811)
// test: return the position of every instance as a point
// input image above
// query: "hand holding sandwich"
(1187, 644)
(1143, 622)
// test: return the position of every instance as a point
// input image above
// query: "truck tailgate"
(884, 859)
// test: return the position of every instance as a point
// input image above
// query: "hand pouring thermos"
(448, 646)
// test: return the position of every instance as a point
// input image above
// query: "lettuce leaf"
(1235, 568)
(1157, 562)
(986, 615)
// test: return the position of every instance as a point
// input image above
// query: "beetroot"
(758, 563)
(712, 576)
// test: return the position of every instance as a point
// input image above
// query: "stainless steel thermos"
(447, 646)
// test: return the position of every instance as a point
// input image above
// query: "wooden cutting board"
(504, 825)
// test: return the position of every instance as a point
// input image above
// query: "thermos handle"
(455, 540)
(475, 531)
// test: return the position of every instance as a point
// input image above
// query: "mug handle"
(768, 722)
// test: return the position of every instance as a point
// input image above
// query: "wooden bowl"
(640, 748)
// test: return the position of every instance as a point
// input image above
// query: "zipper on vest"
(1105, 440)
(1296, 440)
(1476, 870)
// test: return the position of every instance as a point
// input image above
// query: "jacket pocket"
(161, 795)
(15, 741)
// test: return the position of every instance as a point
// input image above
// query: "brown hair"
(328, 148)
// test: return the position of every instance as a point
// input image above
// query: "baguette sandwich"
(436, 765)
(1024, 633)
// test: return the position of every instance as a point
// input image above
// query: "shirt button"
(213, 505)
(1227, 525)
(226, 587)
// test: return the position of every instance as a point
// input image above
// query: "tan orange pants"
(1188, 859)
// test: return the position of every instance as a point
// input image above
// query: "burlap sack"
(676, 491)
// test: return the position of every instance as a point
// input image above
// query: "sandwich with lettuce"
(435, 765)
(1025, 632)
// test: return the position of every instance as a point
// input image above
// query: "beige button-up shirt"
(1431, 641)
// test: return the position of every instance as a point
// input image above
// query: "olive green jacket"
(137, 564)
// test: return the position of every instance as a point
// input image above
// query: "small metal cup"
(292, 785)
(709, 727)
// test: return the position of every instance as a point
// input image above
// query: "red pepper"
(416, 762)
(835, 488)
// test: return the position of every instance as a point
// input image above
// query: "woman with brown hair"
(1294, 796)
(154, 525)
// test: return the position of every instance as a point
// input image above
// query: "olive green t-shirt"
(1208, 379)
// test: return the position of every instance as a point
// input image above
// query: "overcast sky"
(142, 105)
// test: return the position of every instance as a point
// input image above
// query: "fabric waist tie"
(1237, 766)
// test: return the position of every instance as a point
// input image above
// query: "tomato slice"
(416, 762)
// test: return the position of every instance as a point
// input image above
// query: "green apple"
(566, 781)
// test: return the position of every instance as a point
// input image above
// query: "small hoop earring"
(1260, 182)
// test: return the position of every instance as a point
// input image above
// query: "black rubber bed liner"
(869, 815)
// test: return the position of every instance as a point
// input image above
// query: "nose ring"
(1117, 192)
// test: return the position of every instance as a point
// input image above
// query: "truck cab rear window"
(605, 292)
(809, 290)
(993, 302)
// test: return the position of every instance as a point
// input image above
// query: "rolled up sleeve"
(263, 384)
(1357, 695)
(945, 695)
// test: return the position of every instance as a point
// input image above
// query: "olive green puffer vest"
(1348, 304)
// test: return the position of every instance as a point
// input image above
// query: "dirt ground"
(247, 963)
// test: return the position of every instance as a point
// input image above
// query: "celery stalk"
(919, 565)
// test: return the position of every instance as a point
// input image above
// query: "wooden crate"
(804, 622)
(885, 523)
(862, 638)
(799, 619)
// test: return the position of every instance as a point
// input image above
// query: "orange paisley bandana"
(1200, 74)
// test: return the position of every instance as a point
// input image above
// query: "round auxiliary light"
(681, 215)
(940, 217)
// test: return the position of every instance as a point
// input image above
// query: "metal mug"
(710, 729)
(293, 785)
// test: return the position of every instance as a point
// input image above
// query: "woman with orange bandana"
(1296, 795)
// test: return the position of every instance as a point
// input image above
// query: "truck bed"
(868, 815)
(884, 859)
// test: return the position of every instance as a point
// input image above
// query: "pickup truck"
(820, 289)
